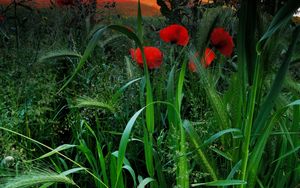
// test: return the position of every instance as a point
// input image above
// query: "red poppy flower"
(64, 2)
(209, 57)
(206, 60)
(175, 34)
(153, 56)
(222, 40)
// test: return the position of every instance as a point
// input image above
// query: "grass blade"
(260, 145)
(59, 54)
(124, 142)
(94, 41)
(33, 179)
(284, 15)
(218, 135)
(145, 181)
(65, 173)
(268, 104)
(131, 171)
(293, 151)
(64, 156)
(220, 183)
(204, 161)
(55, 151)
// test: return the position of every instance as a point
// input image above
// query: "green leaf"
(223, 154)
(285, 14)
(144, 182)
(171, 97)
(234, 170)
(100, 154)
(268, 103)
(259, 148)
(55, 151)
(124, 142)
(246, 42)
(131, 171)
(220, 183)
(59, 54)
(293, 151)
(219, 134)
(116, 96)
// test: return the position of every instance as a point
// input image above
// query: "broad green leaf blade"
(223, 154)
(179, 89)
(284, 15)
(116, 96)
(140, 22)
(182, 165)
(56, 150)
(144, 182)
(100, 154)
(131, 171)
(124, 141)
(171, 97)
(72, 171)
(148, 138)
(261, 143)
(183, 171)
(148, 150)
(88, 154)
(59, 54)
(234, 170)
(246, 42)
(268, 103)
(220, 183)
(218, 135)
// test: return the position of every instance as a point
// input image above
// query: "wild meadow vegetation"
(205, 95)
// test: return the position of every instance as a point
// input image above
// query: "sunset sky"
(124, 7)
(46, 2)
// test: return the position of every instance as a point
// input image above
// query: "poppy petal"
(153, 56)
(222, 40)
(209, 56)
(175, 33)
(206, 60)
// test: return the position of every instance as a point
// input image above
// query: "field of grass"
(81, 106)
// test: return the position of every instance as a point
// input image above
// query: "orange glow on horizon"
(123, 7)
(45, 3)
